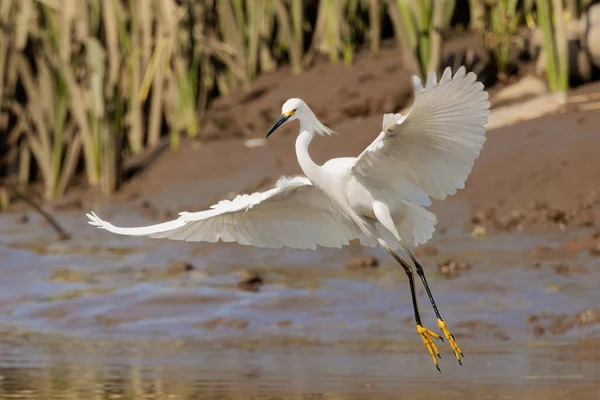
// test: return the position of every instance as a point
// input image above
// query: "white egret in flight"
(378, 197)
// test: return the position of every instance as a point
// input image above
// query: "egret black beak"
(279, 122)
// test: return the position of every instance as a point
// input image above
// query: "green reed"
(550, 17)
(87, 84)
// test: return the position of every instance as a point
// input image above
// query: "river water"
(102, 316)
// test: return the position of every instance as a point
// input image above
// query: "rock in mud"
(561, 324)
(23, 219)
(179, 267)
(210, 324)
(426, 250)
(148, 210)
(541, 250)
(587, 317)
(595, 250)
(167, 214)
(236, 324)
(452, 269)
(481, 216)
(510, 222)
(557, 324)
(362, 262)
(557, 216)
(538, 331)
(568, 270)
(252, 283)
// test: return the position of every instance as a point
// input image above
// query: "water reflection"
(39, 367)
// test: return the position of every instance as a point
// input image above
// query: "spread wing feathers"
(294, 214)
(433, 148)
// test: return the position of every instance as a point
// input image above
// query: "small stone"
(283, 323)
(480, 216)
(587, 317)
(252, 283)
(538, 331)
(179, 267)
(561, 324)
(23, 219)
(568, 270)
(167, 214)
(451, 269)
(426, 250)
(463, 265)
(557, 216)
(510, 221)
(539, 250)
(237, 324)
(210, 324)
(362, 262)
(595, 250)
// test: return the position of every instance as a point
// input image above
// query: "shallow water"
(101, 315)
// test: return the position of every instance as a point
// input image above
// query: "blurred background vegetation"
(87, 85)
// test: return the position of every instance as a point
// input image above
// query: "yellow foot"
(455, 349)
(427, 336)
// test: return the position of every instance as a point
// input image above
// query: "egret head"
(297, 109)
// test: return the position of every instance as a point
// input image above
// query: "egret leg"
(383, 215)
(426, 335)
(442, 325)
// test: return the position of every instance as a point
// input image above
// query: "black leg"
(421, 274)
(457, 352)
(411, 282)
(426, 334)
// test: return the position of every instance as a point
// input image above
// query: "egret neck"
(309, 167)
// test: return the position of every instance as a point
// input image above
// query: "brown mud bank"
(538, 174)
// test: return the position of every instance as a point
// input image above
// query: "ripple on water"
(129, 325)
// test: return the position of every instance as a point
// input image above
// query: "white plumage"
(378, 196)
(294, 213)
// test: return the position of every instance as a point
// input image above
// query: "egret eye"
(294, 110)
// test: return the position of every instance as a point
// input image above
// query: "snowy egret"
(378, 197)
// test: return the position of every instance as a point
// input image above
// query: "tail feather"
(415, 224)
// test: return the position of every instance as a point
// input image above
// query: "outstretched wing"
(431, 150)
(294, 214)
